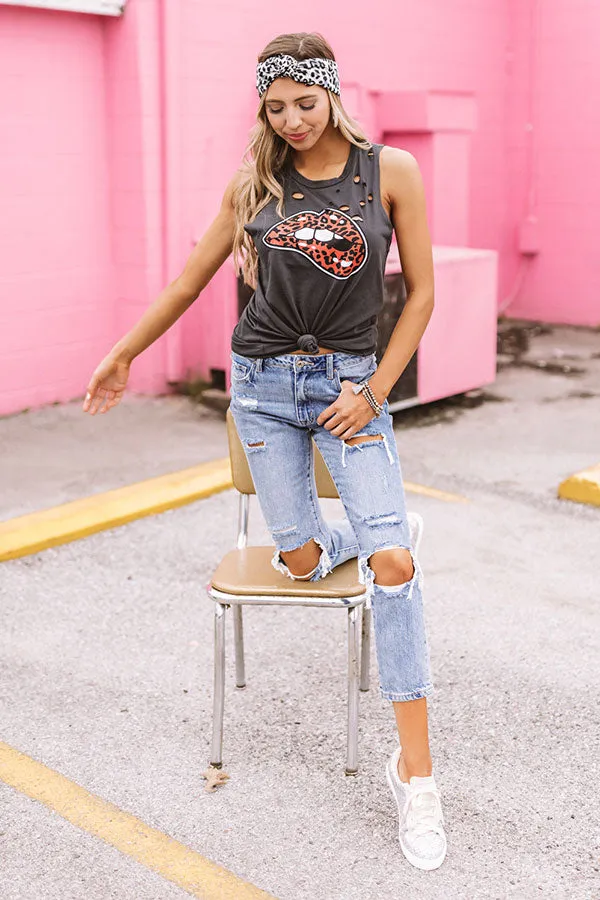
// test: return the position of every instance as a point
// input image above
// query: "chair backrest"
(242, 479)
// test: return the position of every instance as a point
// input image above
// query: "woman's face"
(294, 108)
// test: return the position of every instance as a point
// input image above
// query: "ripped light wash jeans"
(275, 401)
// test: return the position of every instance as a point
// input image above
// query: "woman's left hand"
(348, 414)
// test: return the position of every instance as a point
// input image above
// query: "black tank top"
(321, 268)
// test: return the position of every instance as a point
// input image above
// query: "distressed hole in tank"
(344, 208)
(370, 197)
(357, 218)
(362, 202)
(337, 190)
(364, 183)
(357, 178)
(370, 153)
(298, 196)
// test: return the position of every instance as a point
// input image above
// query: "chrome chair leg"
(219, 686)
(365, 650)
(238, 639)
(353, 666)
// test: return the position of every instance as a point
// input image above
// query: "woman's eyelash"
(306, 108)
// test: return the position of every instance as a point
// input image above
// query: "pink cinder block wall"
(119, 135)
(57, 285)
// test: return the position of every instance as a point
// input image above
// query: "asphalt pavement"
(106, 650)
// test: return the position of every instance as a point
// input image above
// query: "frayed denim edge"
(366, 575)
(322, 568)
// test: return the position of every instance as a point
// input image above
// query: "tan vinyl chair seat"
(249, 571)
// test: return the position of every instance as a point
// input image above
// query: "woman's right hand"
(106, 385)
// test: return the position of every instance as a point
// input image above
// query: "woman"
(309, 219)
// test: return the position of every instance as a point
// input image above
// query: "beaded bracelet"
(365, 388)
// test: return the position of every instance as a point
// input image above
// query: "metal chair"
(245, 576)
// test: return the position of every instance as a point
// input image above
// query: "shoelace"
(424, 813)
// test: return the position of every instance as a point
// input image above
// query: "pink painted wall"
(119, 135)
(57, 283)
(553, 71)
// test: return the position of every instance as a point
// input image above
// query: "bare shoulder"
(395, 159)
(400, 173)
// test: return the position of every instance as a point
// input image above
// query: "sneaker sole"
(425, 864)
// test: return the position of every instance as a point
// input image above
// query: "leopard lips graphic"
(329, 239)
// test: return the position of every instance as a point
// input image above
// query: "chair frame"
(359, 635)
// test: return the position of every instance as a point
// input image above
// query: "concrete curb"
(37, 531)
(583, 487)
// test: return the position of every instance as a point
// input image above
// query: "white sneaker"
(421, 827)
(415, 524)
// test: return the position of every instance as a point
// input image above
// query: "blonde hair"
(266, 153)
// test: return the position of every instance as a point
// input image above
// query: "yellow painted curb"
(37, 531)
(157, 851)
(584, 487)
(61, 524)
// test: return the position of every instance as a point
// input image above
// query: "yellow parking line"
(157, 851)
(584, 487)
(433, 492)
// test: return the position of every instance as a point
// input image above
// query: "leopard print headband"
(309, 71)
